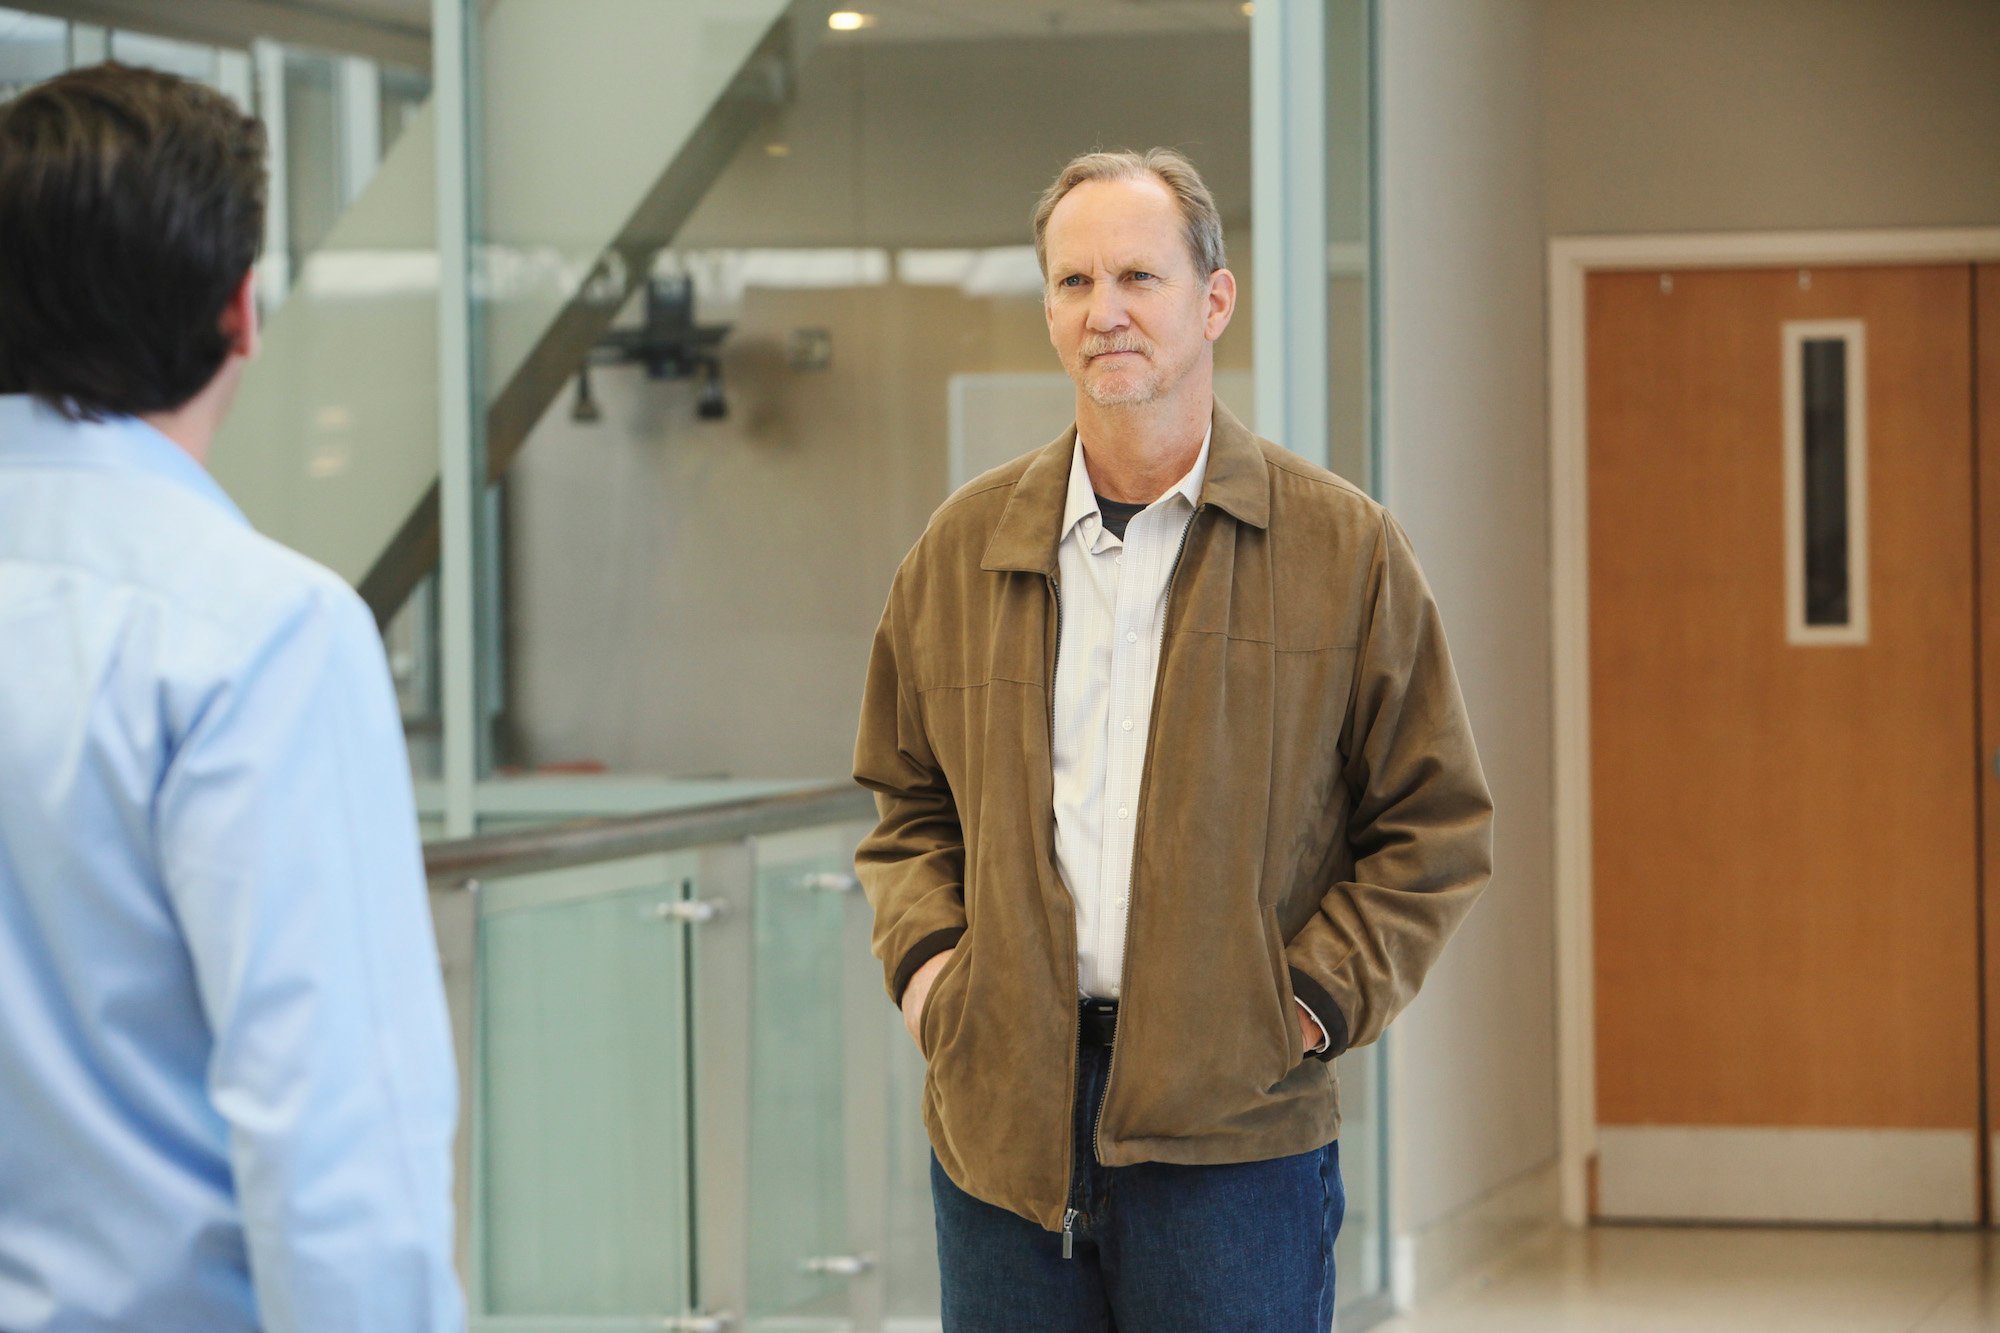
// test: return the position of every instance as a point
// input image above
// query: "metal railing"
(463, 861)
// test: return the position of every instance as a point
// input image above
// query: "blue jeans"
(1158, 1248)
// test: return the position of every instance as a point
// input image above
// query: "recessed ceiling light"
(849, 20)
(1248, 7)
(778, 149)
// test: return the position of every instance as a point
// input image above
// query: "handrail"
(459, 862)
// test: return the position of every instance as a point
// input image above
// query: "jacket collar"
(1030, 527)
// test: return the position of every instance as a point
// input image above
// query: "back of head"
(131, 206)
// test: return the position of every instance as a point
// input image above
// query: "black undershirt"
(1115, 515)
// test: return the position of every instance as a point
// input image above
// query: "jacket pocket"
(928, 1021)
(1288, 1004)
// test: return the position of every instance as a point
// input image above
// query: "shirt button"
(1131, 636)
(1119, 560)
(1124, 813)
(1114, 992)
(1128, 724)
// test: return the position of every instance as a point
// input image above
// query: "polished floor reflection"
(1720, 1280)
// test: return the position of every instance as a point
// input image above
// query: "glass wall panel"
(32, 48)
(700, 531)
(404, 94)
(312, 151)
(1362, 1251)
(1349, 211)
(801, 1255)
(583, 1102)
(186, 59)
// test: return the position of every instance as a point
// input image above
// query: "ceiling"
(398, 31)
(915, 20)
(958, 20)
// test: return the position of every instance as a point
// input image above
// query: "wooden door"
(1785, 802)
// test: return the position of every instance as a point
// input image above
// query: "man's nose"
(1107, 308)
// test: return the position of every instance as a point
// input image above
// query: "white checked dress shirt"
(1114, 604)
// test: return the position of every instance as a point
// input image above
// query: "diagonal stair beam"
(413, 551)
(339, 417)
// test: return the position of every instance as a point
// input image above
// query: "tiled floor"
(1685, 1280)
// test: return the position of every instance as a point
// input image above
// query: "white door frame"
(1571, 260)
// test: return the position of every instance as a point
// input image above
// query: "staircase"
(600, 127)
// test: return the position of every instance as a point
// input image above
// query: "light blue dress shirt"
(226, 1085)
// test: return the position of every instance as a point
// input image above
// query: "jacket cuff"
(925, 949)
(1313, 995)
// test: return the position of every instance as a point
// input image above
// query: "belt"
(1097, 1022)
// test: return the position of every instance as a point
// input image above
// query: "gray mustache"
(1099, 347)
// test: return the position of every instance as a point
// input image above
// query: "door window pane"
(1825, 463)
(1826, 501)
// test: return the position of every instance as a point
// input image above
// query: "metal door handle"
(694, 912)
(831, 881)
(839, 1265)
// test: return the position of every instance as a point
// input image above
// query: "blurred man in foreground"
(226, 1085)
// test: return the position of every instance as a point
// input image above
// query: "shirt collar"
(33, 433)
(1082, 500)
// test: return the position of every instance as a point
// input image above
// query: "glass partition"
(678, 1091)
(581, 1181)
(800, 1258)
(736, 360)
(1354, 452)
(32, 48)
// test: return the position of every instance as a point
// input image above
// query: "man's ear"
(239, 318)
(1221, 302)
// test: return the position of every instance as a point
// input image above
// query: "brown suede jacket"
(1313, 821)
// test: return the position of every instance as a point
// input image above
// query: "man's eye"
(1142, 277)
(1073, 280)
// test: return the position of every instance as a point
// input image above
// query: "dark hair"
(131, 206)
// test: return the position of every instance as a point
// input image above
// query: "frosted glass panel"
(798, 1155)
(584, 1094)
(910, 1278)
(1358, 1250)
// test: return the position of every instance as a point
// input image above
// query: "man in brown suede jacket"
(1178, 802)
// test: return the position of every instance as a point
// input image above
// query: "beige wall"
(1472, 1065)
(950, 143)
(1504, 122)
(1723, 115)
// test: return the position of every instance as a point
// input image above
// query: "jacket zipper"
(1070, 1215)
(1145, 783)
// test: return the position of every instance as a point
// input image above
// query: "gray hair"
(1200, 223)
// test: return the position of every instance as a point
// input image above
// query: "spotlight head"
(709, 404)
